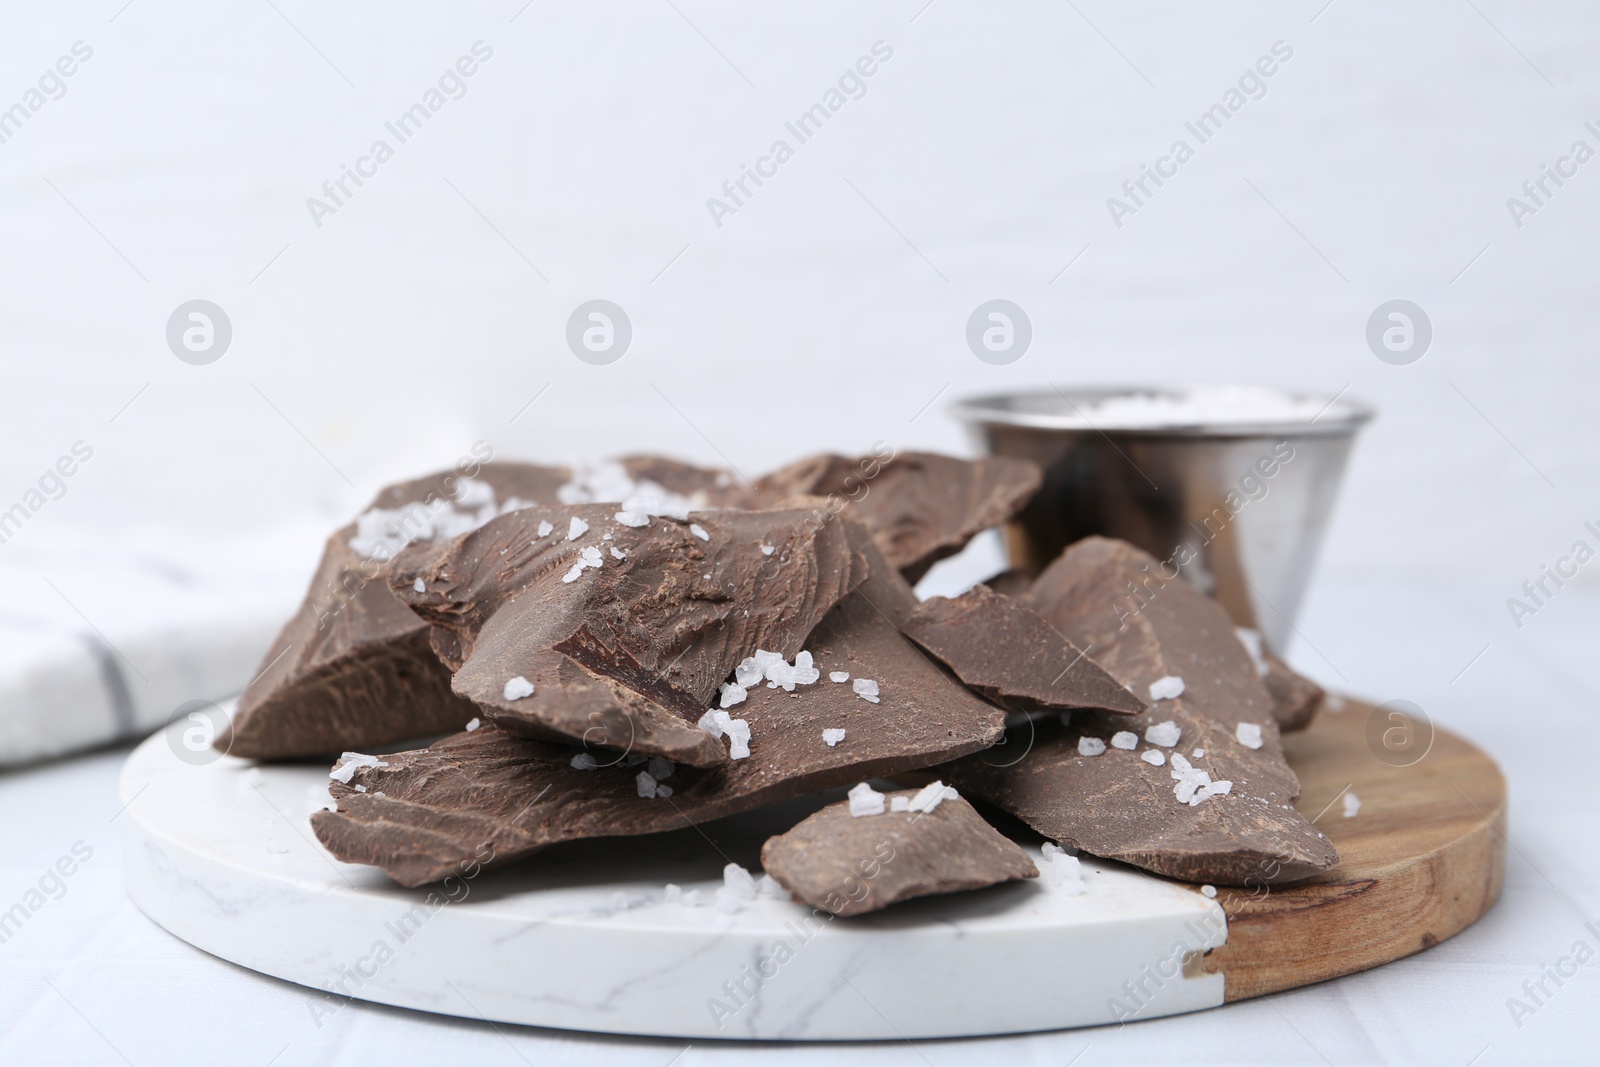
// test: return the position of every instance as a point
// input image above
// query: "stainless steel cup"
(1238, 508)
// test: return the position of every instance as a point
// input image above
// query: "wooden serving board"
(1421, 861)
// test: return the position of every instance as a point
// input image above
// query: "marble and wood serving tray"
(581, 938)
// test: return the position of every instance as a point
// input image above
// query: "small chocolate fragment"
(624, 632)
(488, 790)
(1295, 698)
(352, 669)
(1080, 786)
(920, 506)
(1013, 583)
(850, 865)
(1009, 653)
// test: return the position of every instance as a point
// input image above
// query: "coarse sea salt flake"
(1249, 734)
(708, 722)
(865, 688)
(473, 723)
(1090, 746)
(544, 529)
(1166, 688)
(838, 676)
(1125, 740)
(699, 531)
(584, 762)
(732, 694)
(1352, 804)
(350, 762)
(517, 688)
(576, 528)
(749, 672)
(1165, 734)
(930, 796)
(865, 800)
(420, 586)
(646, 784)
(634, 519)
(1209, 891)
(1153, 757)
(899, 803)
(1251, 640)
(832, 737)
(617, 553)
(767, 550)
(572, 575)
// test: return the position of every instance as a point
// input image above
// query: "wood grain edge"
(1362, 916)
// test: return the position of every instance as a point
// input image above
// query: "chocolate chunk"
(920, 506)
(352, 669)
(624, 640)
(1295, 698)
(849, 865)
(1147, 630)
(1013, 583)
(487, 790)
(1010, 654)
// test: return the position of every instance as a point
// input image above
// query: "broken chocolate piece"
(623, 631)
(352, 669)
(920, 506)
(1009, 653)
(1295, 698)
(849, 865)
(444, 804)
(1185, 789)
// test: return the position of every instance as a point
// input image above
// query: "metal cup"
(1238, 508)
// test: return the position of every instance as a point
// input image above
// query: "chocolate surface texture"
(920, 506)
(850, 865)
(443, 806)
(1117, 805)
(352, 669)
(1012, 655)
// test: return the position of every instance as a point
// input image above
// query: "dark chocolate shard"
(1117, 805)
(920, 506)
(1013, 583)
(352, 669)
(850, 865)
(1009, 653)
(623, 631)
(1295, 698)
(487, 791)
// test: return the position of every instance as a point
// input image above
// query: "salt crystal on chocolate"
(1166, 688)
(749, 672)
(350, 762)
(584, 762)
(866, 689)
(838, 676)
(832, 737)
(1090, 746)
(767, 550)
(646, 784)
(699, 531)
(617, 553)
(1249, 734)
(931, 796)
(1209, 891)
(1125, 740)
(576, 528)
(899, 802)
(420, 586)
(1165, 734)
(1153, 757)
(1251, 640)
(732, 694)
(473, 723)
(865, 800)
(544, 529)
(517, 688)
